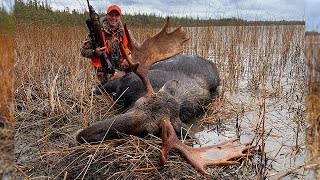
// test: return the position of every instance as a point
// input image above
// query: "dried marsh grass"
(126, 158)
(313, 100)
(54, 99)
(7, 80)
(6, 107)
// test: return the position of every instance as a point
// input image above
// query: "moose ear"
(170, 87)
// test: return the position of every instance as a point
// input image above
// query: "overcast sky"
(312, 15)
(245, 9)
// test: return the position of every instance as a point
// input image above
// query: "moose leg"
(221, 154)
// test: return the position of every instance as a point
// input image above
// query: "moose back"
(130, 88)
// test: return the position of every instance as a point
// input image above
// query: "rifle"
(95, 32)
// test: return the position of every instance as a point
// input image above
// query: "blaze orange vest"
(96, 61)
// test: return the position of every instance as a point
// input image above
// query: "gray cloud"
(312, 14)
(245, 9)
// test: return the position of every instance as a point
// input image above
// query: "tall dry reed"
(54, 99)
(6, 80)
(6, 107)
(53, 89)
(249, 53)
(312, 54)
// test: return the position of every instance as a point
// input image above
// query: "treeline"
(312, 33)
(153, 20)
(35, 12)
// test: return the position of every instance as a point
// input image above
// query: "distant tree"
(6, 21)
(35, 12)
(312, 33)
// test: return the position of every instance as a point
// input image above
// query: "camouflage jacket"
(112, 41)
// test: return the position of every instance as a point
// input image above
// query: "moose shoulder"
(175, 87)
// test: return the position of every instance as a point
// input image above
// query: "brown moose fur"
(186, 91)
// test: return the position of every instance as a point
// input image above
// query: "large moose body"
(182, 68)
(182, 83)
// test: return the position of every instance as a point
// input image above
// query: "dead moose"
(183, 85)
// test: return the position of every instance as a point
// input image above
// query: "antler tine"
(156, 48)
(219, 154)
(165, 27)
(161, 46)
(133, 45)
(133, 65)
(141, 72)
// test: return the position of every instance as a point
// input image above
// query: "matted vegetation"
(54, 100)
(262, 98)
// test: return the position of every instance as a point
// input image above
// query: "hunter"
(113, 34)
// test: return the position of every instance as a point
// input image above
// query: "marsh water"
(284, 127)
(263, 75)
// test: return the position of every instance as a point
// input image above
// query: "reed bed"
(6, 106)
(312, 52)
(264, 79)
(263, 73)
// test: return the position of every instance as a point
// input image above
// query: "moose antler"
(161, 46)
(220, 154)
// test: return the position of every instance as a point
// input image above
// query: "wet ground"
(284, 119)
